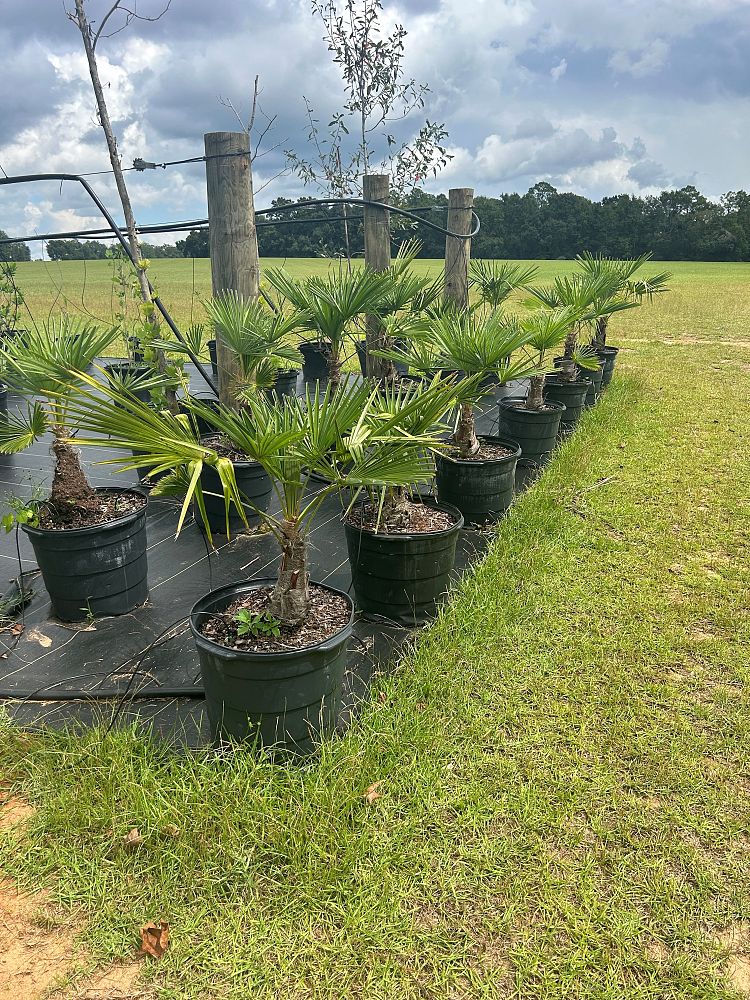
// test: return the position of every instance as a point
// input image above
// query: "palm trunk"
(600, 338)
(290, 601)
(70, 488)
(396, 514)
(334, 369)
(535, 397)
(122, 191)
(466, 434)
(567, 369)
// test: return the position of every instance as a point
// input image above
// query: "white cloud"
(557, 71)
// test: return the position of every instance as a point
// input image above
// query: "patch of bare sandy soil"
(39, 958)
(736, 941)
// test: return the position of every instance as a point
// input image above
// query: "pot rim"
(132, 516)
(258, 583)
(490, 439)
(401, 536)
(551, 404)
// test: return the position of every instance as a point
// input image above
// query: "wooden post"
(458, 251)
(375, 187)
(233, 241)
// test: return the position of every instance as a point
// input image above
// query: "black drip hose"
(104, 695)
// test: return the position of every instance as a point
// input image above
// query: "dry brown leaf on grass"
(155, 938)
(372, 793)
(132, 839)
(171, 830)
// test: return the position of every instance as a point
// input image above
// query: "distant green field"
(707, 301)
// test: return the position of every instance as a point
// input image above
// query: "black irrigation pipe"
(201, 223)
(103, 694)
(26, 178)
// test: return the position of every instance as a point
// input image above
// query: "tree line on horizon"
(542, 224)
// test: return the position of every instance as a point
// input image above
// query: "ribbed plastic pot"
(101, 570)
(535, 430)
(134, 370)
(211, 345)
(315, 358)
(608, 357)
(594, 379)
(572, 394)
(285, 384)
(3, 401)
(254, 485)
(403, 577)
(361, 348)
(482, 490)
(283, 700)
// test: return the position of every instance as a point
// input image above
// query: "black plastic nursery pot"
(608, 356)
(254, 485)
(100, 570)
(3, 401)
(285, 700)
(285, 384)
(403, 577)
(594, 380)
(535, 430)
(572, 394)
(315, 354)
(132, 370)
(481, 489)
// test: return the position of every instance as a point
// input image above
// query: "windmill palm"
(39, 363)
(349, 436)
(478, 346)
(331, 303)
(587, 296)
(496, 280)
(547, 330)
(622, 276)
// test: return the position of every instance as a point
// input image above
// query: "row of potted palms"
(273, 651)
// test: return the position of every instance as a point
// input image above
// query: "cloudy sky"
(594, 96)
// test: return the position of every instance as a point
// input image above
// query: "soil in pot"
(282, 691)
(95, 563)
(535, 430)
(403, 575)
(481, 487)
(315, 354)
(253, 482)
(608, 356)
(572, 394)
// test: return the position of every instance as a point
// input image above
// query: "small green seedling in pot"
(256, 624)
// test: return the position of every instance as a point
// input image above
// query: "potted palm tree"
(402, 544)
(258, 337)
(90, 543)
(533, 420)
(273, 651)
(477, 475)
(585, 295)
(330, 304)
(622, 275)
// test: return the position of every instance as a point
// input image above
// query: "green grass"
(564, 757)
(708, 300)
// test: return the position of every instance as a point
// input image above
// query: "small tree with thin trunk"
(91, 38)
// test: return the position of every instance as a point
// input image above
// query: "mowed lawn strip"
(564, 760)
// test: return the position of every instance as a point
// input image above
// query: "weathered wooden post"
(233, 240)
(458, 251)
(376, 187)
